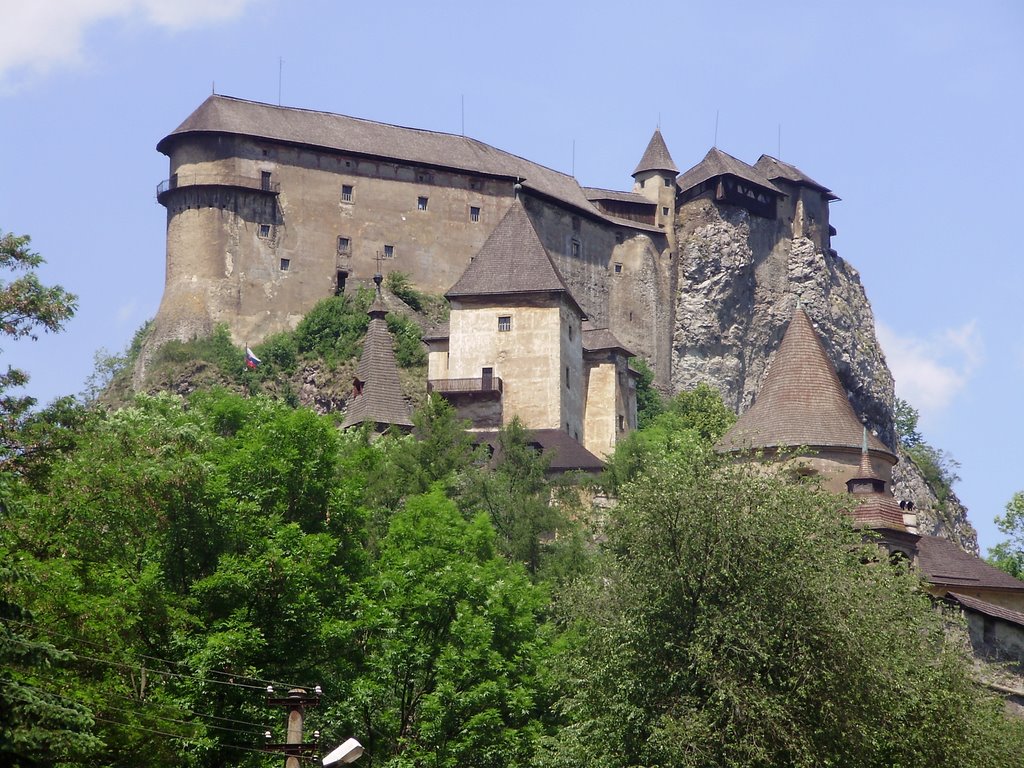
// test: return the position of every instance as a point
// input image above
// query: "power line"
(83, 641)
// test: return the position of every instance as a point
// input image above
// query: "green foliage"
(333, 328)
(733, 622)
(26, 306)
(649, 403)
(278, 353)
(1009, 555)
(401, 286)
(216, 349)
(938, 468)
(906, 418)
(409, 349)
(702, 410)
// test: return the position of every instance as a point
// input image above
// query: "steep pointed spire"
(378, 394)
(873, 507)
(801, 401)
(512, 261)
(656, 156)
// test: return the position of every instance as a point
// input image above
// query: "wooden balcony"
(488, 385)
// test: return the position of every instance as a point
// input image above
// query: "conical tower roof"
(379, 395)
(801, 401)
(656, 156)
(512, 261)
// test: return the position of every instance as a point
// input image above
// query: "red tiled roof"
(943, 562)
(511, 261)
(656, 156)
(801, 401)
(877, 510)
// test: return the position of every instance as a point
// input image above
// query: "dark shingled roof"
(877, 510)
(440, 332)
(980, 606)
(772, 168)
(563, 453)
(801, 401)
(656, 156)
(599, 339)
(944, 563)
(595, 193)
(718, 163)
(223, 114)
(512, 261)
(381, 401)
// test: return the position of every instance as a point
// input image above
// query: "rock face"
(739, 277)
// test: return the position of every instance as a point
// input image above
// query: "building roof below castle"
(988, 609)
(656, 157)
(718, 163)
(772, 168)
(602, 339)
(512, 262)
(562, 452)
(305, 127)
(801, 402)
(945, 564)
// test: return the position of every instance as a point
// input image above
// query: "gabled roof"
(801, 401)
(656, 156)
(772, 168)
(563, 453)
(944, 563)
(601, 339)
(512, 261)
(988, 609)
(224, 114)
(381, 400)
(718, 163)
(596, 193)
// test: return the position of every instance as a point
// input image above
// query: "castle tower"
(655, 179)
(802, 404)
(377, 394)
(806, 204)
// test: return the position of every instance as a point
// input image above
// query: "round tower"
(655, 179)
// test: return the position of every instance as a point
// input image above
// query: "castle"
(270, 209)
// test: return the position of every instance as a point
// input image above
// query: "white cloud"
(931, 372)
(43, 35)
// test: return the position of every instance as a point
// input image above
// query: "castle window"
(265, 181)
(339, 287)
(668, 182)
(505, 322)
(285, 263)
(266, 231)
(664, 210)
(618, 268)
(474, 214)
(576, 247)
(622, 423)
(567, 385)
(344, 244)
(389, 251)
(346, 193)
(476, 184)
(570, 331)
(421, 203)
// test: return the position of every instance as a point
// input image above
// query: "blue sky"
(911, 112)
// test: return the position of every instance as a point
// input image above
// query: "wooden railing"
(442, 386)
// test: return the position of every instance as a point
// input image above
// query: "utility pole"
(295, 704)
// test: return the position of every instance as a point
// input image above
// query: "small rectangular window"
(389, 251)
(664, 210)
(265, 180)
(421, 203)
(474, 213)
(576, 248)
(505, 323)
(344, 244)
(285, 263)
(346, 193)
(668, 182)
(265, 231)
(618, 268)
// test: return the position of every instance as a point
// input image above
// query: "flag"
(251, 361)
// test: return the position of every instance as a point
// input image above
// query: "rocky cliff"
(739, 277)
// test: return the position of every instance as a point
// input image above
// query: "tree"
(26, 307)
(906, 418)
(1009, 555)
(738, 620)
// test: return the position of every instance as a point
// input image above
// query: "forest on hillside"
(165, 560)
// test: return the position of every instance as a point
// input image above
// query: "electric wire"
(82, 640)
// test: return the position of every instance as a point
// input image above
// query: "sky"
(911, 112)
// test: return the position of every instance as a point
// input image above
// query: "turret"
(655, 179)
